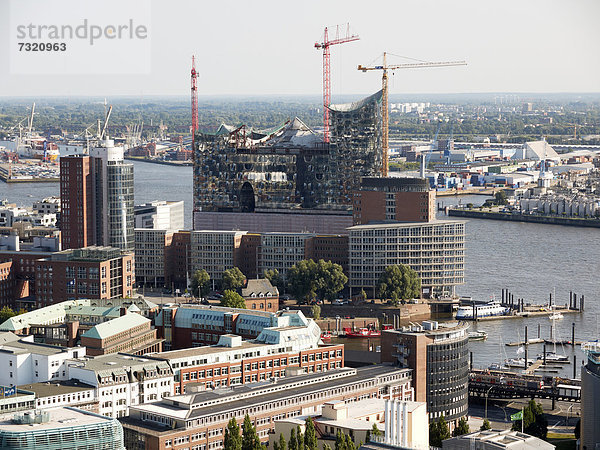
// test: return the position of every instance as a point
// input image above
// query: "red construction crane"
(326, 69)
(384, 102)
(194, 104)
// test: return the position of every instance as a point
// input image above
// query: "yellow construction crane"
(384, 101)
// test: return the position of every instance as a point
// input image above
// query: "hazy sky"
(267, 47)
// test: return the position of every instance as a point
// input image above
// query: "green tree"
(300, 438)
(233, 279)
(374, 431)
(232, 299)
(534, 420)
(362, 295)
(400, 280)
(340, 441)
(326, 447)
(233, 440)
(486, 425)
(330, 279)
(316, 312)
(200, 283)
(293, 443)
(250, 439)
(500, 198)
(310, 435)
(275, 278)
(301, 280)
(462, 428)
(6, 313)
(438, 431)
(281, 445)
(307, 278)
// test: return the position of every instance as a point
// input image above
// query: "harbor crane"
(384, 102)
(327, 69)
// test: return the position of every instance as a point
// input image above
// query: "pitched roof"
(259, 288)
(115, 326)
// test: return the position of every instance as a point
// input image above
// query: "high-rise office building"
(76, 197)
(114, 196)
(97, 197)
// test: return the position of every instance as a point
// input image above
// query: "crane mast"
(327, 70)
(384, 100)
(194, 79)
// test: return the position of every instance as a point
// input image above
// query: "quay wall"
(552, 220)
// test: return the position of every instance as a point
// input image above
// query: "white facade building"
(281, 251)
(123, 380)
(24, 361)
(150, 255)
(160, 215)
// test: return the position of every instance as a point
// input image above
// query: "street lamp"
(486, 399)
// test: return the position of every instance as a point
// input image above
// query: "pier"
(501, 384)
(516, 217)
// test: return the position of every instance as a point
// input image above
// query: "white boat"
(554, 358)
(555, 316)
(496, 366)
(490, 309)
(518, 362)
(477, 335)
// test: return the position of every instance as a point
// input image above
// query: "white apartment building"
(49, 205)
(24, 361)
(123, 380)
(150, 255)
(435, 250)
(160, 215)
(214, 251)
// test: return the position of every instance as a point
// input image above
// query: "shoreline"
(549, 220)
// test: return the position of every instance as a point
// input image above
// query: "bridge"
(502, 384)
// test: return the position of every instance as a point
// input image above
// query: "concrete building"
(199, 418)
(90, 273)
(281, 251)
(60, 428)
(151, 256)
(590, 392)
(160, 215)
(496, 439)
(48, 205)
(435, 250)
(395, 200)
(439, 358)
(261, 295)
(356, 419)
(123, 380)
(214, 251)
(19, 401)
(63, 393)
(188, 326)
(130, 333)
(233, 362)
(25, 362)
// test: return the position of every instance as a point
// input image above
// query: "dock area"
(29, 171)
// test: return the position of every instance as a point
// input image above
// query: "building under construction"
(239, 170)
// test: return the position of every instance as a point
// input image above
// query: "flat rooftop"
(59, 418)
(403, 224)
(206, 350)
(52, 388)
(218, 401)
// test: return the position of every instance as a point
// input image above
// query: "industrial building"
(239, 170)
(439, 358)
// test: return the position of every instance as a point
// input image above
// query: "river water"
(531, 260)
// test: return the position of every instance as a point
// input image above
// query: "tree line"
(309, 280)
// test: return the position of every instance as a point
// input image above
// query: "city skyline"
(514, 47)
